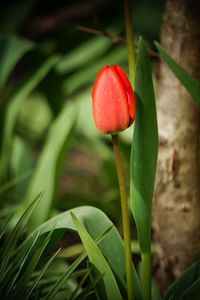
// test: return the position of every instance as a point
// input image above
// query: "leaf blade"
(144, 149)
(191, 85)
(42, 180)
(12, 49)
(98, 260)
(184, 283)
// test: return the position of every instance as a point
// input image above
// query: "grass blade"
(5, 226)
(13, 237)
(13, 280)
(32, 263)
(57, 286)
(41, 273)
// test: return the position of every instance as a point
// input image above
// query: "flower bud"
(113, 100)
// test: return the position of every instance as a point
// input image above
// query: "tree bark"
(176, 209)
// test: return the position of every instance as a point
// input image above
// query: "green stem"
(146, 275)
(125, 217)
(130, 40)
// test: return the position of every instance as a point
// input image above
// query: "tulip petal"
(129, 91)
(110, 104)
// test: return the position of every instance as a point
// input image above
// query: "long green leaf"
(144, 149)
(45, 175)
(12, 49)
(191, 85)
(185, 284)
(193, 291)
(83, 54)
(14, 106)
(98, 260)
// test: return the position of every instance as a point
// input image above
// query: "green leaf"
(13, 237)
(191, 85)
(59, 283)
(78, 289)
(65, 276)
(89, 289)
(144, 149)
(14, 182)
(17, 274)
(83, 54)
(12, 111)
(22, 164)
(40, 275)
(5, 225)
(193, 291)
(32, 263)
(46, 173)
(98, 260)
(96, 223)
(187, 286)
(12, 49)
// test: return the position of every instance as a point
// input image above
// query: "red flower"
(113, 102)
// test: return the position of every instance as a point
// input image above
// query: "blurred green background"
(50, 54)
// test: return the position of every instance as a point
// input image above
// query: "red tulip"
(113, 102)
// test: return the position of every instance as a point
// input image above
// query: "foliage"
(50, 151)
(24, 266)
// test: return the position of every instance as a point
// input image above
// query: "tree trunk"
(176, 209)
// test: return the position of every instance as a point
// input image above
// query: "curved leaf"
(191, 85)
(12, 49)
(45, 175)
(186, 285)
(144, 149)
(98, 260)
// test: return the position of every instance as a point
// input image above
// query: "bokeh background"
(50, 54)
